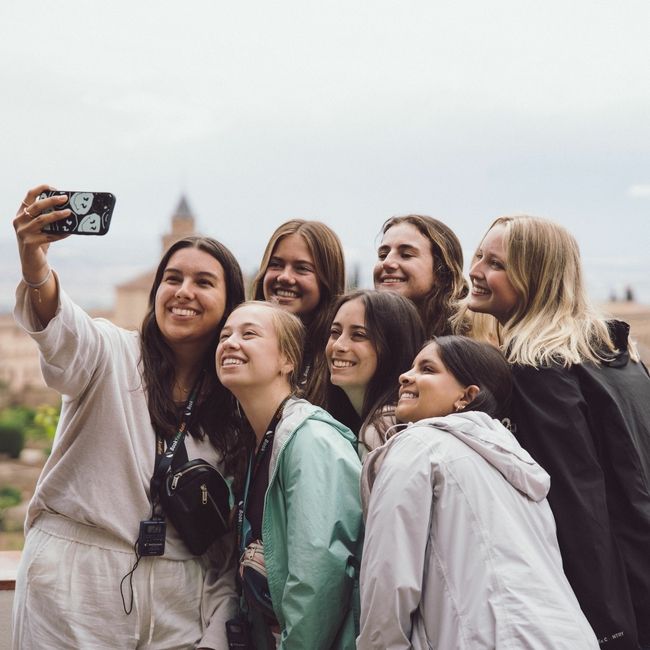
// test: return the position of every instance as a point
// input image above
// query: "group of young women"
(378, 500)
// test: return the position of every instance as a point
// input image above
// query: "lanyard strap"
(165, 460)
(254, 463)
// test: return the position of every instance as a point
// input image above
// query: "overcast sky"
(348, 112)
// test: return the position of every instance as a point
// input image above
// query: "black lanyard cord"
(165, 460)
(255, 463)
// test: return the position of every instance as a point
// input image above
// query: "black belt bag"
(196, 499)
(193, 494)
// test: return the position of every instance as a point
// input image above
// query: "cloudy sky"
(348, 112)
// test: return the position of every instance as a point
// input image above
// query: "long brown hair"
(215, 411)
(396, 333)
(327, 253)
(450, 285)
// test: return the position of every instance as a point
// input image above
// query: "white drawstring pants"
(68, 593)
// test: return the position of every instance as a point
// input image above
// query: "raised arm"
(32, 248)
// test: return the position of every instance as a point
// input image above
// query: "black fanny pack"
(193, 494)
(196, 499)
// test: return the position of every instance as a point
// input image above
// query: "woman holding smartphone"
(581, 406)
(121, 391)
(303, 272)
(300, 519)
(421, 258)
(373, 339)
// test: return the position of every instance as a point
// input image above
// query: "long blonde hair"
(554, 321)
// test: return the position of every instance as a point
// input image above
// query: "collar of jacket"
(296, 412)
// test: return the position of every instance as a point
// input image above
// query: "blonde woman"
(581, 407)
(301, 515)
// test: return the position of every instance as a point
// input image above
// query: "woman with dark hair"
(373, 339)
(303, 271)
(582, 408)
(300, 520)
(460, 548)
(421, 258)
(124, 394)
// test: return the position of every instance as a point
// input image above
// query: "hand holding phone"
(91, 213)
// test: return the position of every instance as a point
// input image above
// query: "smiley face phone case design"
(91, 213)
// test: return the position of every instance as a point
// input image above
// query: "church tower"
(182, 224)
(132, 297)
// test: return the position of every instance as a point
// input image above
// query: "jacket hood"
(489, 438)
(619, 331)
(296, 411)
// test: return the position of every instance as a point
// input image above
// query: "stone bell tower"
(132, 296)
(182, 224)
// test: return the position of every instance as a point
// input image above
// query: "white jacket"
(460, 548)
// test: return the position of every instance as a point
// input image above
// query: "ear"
(286, 367)
(468, 396)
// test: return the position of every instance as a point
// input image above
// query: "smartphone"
(91, 213)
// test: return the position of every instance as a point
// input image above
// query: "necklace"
(182, 389)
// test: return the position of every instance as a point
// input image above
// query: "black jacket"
(589, 427)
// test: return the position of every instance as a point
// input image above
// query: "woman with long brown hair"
(374, 337)
(303, 272)
(421, 258)
(123, 396)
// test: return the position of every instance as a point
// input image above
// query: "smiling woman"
(300, 517)
(303, 272)
(190, 300)
(581, 408)
(421, 258)
(123, 395)
(457, 523)
(373, 339)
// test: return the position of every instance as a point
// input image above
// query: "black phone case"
(91, 213)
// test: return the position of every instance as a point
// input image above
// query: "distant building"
(132, 297)
(20, 371)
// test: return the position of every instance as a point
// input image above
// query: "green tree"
(45, 421)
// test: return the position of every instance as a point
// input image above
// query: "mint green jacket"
(312, 529)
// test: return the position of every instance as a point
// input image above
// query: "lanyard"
(254, 463)
(164, 460)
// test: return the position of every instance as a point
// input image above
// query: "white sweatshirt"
(103, 455)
